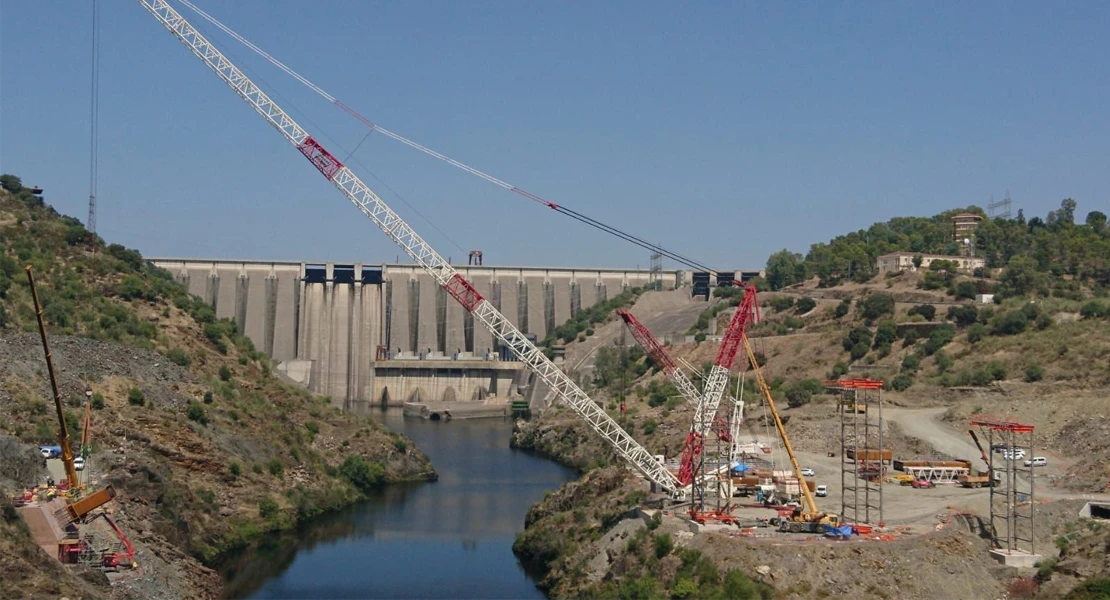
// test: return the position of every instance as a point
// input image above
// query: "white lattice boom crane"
(706, 409)
(415, 247)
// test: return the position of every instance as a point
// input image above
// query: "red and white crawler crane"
(367, 202)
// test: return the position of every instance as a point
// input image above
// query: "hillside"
(1037, 354)
(205, 447)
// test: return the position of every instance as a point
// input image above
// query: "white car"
(822, 491)
(808, 472)
(79, 463)
(1037, 461)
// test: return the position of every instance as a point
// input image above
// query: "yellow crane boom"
(63, 434)
(810, 505)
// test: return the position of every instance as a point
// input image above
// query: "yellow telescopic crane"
(63, 434)
(810, 520)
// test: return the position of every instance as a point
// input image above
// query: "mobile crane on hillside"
(77, 508)
(806, 519)
(374, 208)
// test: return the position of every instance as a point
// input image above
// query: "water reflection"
(448, 539)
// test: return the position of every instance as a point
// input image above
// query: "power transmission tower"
(655, 276)
(94, 116)
(1000, 208)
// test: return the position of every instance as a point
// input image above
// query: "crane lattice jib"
(414, 246)
(726, 354)
(659, 354)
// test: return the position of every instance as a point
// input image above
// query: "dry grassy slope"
(178, 491)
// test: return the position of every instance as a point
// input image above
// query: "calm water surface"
(448, 539)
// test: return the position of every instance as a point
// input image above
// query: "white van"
(822, 490)
(1037, 461)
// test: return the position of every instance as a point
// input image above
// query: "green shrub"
(257, 468)
(313, 428)
(976, 332)
(997, 371)
(910, 338)
(700, 337)
(1009, 323)
(179, 357)
(840, 368)
(963, 315)
(208, 397)
(857, 336)
(944, 362)
(663, 545)
(225, 373)
(267, 508)
(901, 382)
(781, 303)
(859, 351)
(195, 412)
(911, 364)
(928, 311)
(876, 305)
(234, 469)
(842, 308)
(364, 475)
(886, 333)
(1033, 373)
(804, 305)
(276, 468)
(939, 338)
(649, 426)
(1091, 310)
(97, 401)
(136, 397)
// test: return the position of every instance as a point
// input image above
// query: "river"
(448, 539)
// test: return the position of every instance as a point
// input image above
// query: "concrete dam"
(386, 332)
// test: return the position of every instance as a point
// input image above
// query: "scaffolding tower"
(1011, 491)
(863, 459)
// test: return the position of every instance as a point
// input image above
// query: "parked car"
(79, 463)
(822, 491)
(1037, 461)
(999, 448)
(922, 484)
(808, 472)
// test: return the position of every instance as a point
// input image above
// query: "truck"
(979, 479)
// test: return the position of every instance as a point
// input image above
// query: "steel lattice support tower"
(1011, 491)
(655, 276)
(862, 455)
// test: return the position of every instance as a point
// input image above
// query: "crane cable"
(94, 117)
(426, 150)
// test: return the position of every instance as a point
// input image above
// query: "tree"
(876, 305)
(925, 310)
(364, 475)
(1020, 277)
(842, 308)
(804, 305)
(11, 183)
(886, 333)
(963, 315)
(783, 269)
(917, 260)
(1096, 220)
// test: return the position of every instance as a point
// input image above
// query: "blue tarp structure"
(739, 468)
(844, 532)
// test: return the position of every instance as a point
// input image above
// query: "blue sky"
(724, 131)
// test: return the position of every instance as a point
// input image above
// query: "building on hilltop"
(903, 261)
(964, 225)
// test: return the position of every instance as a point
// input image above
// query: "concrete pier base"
(442, 411)
(1016, 559)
